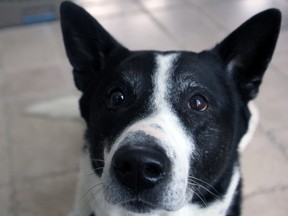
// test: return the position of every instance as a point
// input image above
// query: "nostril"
(152, 170)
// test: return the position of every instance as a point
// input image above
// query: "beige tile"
(264, 166)
(5, 201)
(27, 47)
(281, 138)
(138, 31)
(161, 4)
(4, 152)
(110, 8)
(231, 14)
(37, 81)
(42, 146)
(280, 58)
(268, 204)
(51, 196)
(190, 27)
(281, 47)
(5, 172)
(58, 40)
(272, 100)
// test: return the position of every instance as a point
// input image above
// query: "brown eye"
(116, 98)
(198, 103)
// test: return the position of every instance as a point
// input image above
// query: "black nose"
(140, 167)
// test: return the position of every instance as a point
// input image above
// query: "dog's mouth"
(139, 206)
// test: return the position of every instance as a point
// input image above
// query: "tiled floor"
(39, 155)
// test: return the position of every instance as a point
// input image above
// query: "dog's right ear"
(247, 51)
(87, 43)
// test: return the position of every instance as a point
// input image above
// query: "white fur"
(253, 122)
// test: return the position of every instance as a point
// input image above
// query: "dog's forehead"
(198, 70)
(188, 67)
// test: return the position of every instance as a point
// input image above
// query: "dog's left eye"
(116, 98)
(198, 102)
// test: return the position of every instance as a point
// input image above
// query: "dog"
(163, 128)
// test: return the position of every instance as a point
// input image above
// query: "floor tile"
(51, 196)
(231, 14)
(281, 63)
(268, 204)
(138, 31)
(161, 4)
(5, 172)
(191, 28)
(5, 201)
(281, 46)
(36, 81)
(110, 8)
(281, 138)
(4, 152)
(264, 166)
(41, 146)
(272, 99)
(27, 47)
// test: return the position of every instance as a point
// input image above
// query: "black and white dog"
(163, 128)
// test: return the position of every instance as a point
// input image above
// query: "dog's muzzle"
(141, 174)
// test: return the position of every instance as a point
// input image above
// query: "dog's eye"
(116, 98)
(198, 103)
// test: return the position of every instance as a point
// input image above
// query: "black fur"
(228, 76)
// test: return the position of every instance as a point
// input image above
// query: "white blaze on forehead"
(178, 145)
(166, 117)
(165, 66)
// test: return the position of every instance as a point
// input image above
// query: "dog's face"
(158, 128)
(163, 128)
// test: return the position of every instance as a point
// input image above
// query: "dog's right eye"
(198, 102)
(116, 98)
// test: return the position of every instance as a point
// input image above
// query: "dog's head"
(160, 124)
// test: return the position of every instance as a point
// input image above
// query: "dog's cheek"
(212, 151)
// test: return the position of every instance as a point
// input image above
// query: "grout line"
(39, 96)
(50, 175)
(279, 71)
(266, 191)
(160, 26)
(213, 20)
(277, 145)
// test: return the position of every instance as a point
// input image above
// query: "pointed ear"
(88, 45)
(247, 51)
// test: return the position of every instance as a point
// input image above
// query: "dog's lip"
(140, 205)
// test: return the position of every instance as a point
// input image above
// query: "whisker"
(199, 197)
(90, 200)
(99, 184)
(197, 179)
(195, 185)
(82, 178)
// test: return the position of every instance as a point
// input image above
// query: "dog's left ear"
(247, 51)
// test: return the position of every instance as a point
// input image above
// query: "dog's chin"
(139, 206)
